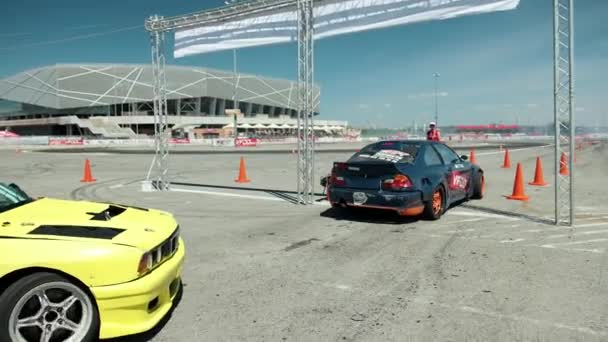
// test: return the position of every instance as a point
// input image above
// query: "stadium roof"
(89, 85)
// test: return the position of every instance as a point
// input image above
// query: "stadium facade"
(115, 101)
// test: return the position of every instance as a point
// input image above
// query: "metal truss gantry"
(159, 178)
(158, 26)
(565, 129)
(306, 101)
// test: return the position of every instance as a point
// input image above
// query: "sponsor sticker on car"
(392, 156)
(359, 198)
(458, 180)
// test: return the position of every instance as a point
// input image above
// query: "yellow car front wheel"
(44, 307)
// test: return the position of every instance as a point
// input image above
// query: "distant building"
(115, 101)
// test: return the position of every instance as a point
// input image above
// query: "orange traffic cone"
(472, 157)
(563, 165)
(518, 186)
(88, 176)
(507, 162)
(539, 179)
(242, 173)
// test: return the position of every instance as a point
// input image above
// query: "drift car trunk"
(363, 175)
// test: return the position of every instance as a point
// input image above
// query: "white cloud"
(426, 95)
(532, 105)
(387, 105)
(579, 109)
(363, 106)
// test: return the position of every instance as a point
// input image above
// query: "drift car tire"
(479, 186)
(45, 306)
(434, 208)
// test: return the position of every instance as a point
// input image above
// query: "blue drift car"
(409, 177)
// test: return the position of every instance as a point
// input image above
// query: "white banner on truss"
(332, 17)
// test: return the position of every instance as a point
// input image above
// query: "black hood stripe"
(78, 231)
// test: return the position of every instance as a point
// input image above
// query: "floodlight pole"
(159, 178)
(565, 129)
(436, 76)
(306, 101)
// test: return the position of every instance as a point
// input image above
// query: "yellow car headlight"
(159, 254)
(145, 264)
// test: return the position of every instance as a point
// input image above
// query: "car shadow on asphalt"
(367, 215)
(150, 334)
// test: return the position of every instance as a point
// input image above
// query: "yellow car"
(79, 271)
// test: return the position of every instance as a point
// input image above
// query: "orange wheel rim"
(437, 202)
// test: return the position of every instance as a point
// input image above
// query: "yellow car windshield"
(11, 196)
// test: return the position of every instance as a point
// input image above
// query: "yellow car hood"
(76, 220)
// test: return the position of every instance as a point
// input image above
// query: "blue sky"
(494, 67)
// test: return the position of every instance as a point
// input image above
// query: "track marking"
(460, 231)
(485, 215)
(516, 318)
(512, 241)
(591, 224)
(534, 321)
(466, 221)
(515, 150)
(573, 243)
(593, 250)
(116, 186)
(544, 230)
(228, 194)
(590, 232)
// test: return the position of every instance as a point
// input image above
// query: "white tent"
(245, 125)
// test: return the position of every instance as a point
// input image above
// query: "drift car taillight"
(398, 182)
(337, 180)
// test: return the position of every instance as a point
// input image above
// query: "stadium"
(115, 101)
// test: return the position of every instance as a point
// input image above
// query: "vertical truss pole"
(565, 129)
(306, 102)
(161, 125)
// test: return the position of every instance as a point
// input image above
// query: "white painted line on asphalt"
(466, 221)
(116, 186)
(515, 150)
(460, 231)
(486, 215)
(516, 318)
(544, 230)
(573, 243)
(590, 232)
(591, 224)
(512, 241)
(593, 250)
(229, 194)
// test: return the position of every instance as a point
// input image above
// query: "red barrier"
(179, 141)
(66, 141)
(246, 142)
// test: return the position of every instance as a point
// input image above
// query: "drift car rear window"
(388, 151)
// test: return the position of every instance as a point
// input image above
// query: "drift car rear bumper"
(407, 203)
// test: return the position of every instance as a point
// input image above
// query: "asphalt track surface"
(260, 268)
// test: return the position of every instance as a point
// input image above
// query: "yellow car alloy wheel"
(47, 308)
